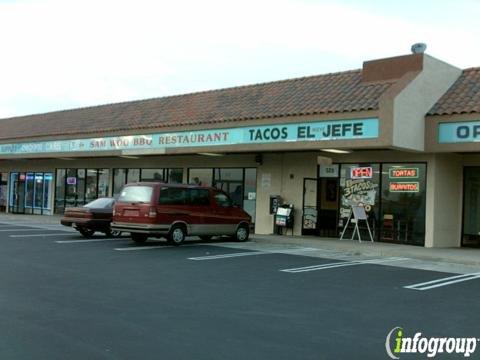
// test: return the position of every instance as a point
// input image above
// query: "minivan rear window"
(136, 194)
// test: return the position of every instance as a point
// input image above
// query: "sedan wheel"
(88, 233)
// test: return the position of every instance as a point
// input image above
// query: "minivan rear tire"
(242, 233)
(139, 238)
(177, 235)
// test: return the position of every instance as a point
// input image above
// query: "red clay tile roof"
(463, 97)
(330, 93)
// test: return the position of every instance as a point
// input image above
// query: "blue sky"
(59, 54)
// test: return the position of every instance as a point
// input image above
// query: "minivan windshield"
(136, 194)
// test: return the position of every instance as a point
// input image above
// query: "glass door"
(471, 207)
(327, 206)
(17, 193)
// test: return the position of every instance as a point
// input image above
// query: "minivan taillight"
(113, 212)
(152, 212)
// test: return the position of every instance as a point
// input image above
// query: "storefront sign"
(361, 173)
(459, 132)
(71, 180)
(310, 131)
(404, 187)
(328, 171)
(403, 173)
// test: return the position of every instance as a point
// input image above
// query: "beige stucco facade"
(405, 135)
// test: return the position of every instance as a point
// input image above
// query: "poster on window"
(358, 192)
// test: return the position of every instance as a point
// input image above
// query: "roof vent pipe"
(418, 48)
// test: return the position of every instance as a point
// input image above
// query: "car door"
(223, 214)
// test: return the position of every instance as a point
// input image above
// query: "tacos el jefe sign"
(294, 132)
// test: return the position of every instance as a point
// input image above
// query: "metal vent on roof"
(418, 48)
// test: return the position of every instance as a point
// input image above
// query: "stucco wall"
(444, 223)
(417, 98)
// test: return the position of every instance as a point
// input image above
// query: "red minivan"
(175, 211)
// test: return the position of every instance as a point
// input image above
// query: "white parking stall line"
(19, 229)
(443, 282)
(342, 264)
(160, 246)
(225, 256)
(135, 248)
(35, 235)
(252, 253)
(84, 241)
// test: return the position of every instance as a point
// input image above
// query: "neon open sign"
(361, 172)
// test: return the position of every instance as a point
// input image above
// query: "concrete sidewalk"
(462, 256)
(33, 219)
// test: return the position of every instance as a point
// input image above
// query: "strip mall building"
(399, 136)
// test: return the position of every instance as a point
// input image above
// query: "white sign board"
(328, 171)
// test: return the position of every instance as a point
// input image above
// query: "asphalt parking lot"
(64, 297)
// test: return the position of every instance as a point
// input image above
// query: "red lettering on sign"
(361, 173)
(404, 187)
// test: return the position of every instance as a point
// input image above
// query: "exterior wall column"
(444, 201)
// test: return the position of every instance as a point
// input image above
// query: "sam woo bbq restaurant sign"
(311, 131)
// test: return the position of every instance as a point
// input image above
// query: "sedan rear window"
(102, 203)
(136, 194)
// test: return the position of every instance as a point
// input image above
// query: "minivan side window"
(136, 194)
(172, 196)
(183, 196)
(199, 197)
(222, 200)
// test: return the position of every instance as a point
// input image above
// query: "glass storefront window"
(119, 179)
(80, 187)
(230, 181)
(403, 203)
(71, 188)
(91, 188)
(76, 187)
(3, 192)
(175, 176)
(152, 175)
(30, 193)
(29, 190)
(133, 175)
(203, 177)
(250, 192)
(103, 179)
(359, 185)
(60, 191)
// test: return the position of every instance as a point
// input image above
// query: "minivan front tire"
(139, 238)
(242, 233)
(177, 235)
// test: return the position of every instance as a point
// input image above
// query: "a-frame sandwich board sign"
(357, 213)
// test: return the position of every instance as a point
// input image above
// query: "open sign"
(361, 172)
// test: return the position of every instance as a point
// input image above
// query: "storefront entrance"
(393, 195)
(320, 207)
(3, 192)
(471, 207)
(30, 193)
